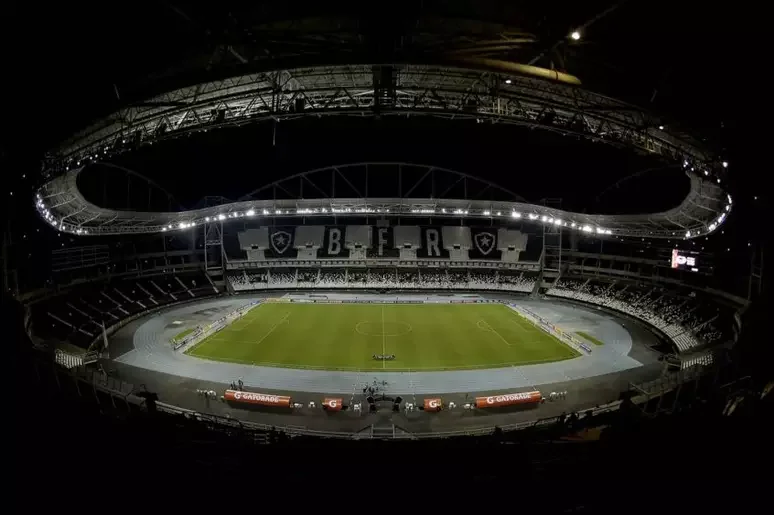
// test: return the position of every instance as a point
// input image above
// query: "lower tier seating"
(688, 321)
(78, 315)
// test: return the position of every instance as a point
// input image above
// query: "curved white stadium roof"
(62, 204)
(419, 90)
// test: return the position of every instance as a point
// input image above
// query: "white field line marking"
(488, 328)
(520, 320)
(244, 326)
(281, 320)
(242, 319)
(492, 329)
(384, 341)
(538, 326)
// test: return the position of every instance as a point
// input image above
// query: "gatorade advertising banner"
(508, 399)
(433, 404)
(333, 404)
(261, 399)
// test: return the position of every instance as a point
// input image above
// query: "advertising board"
(262, 399)
(508, 399)
(434, 404)
(332, 404)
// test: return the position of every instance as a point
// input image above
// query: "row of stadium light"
(46, 214)
(548, 220)
(50, 218)
(715, 223)
(545, 219)
(516, 215)
(112, 150)
(268, 212)
(423, 211)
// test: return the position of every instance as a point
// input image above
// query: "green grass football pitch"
(346, 336)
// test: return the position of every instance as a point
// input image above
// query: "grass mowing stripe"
(384, 341)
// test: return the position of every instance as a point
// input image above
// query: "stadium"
(441, 240)
(390, 317)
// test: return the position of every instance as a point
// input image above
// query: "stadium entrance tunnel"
(383, 329)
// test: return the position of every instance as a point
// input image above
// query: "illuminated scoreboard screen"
(686, 260)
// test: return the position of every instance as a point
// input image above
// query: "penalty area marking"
(281, 320)
(250, 319)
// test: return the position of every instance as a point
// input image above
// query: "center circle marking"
(367, 328)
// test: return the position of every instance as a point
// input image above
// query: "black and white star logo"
(280, 241)
(485, 242)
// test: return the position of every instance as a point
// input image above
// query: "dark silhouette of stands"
(78, 314)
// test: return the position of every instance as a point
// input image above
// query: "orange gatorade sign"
(333, 404)
(262, 399)
(508, 399)
(433, 404)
